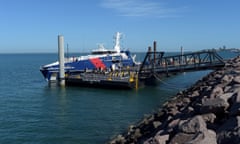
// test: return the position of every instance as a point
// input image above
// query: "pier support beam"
(61, 80)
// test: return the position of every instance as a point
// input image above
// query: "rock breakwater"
(206, 113)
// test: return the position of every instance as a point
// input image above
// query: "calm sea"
(33, 112)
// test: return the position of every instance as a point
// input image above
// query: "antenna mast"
(117, 42)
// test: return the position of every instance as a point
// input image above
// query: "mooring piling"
(61, 79)
(154, 50)
(181, 55)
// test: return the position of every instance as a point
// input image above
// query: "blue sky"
(33, 25)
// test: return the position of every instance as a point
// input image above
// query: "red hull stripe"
(98, 63)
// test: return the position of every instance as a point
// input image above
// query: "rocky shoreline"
(206, 113)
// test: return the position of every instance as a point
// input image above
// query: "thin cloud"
(139, 8)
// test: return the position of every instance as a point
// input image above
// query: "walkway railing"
(156, 63)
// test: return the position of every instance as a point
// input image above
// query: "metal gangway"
(157, 65)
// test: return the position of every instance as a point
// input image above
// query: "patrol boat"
(99, 59)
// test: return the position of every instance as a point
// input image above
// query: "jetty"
(118, 69)
(154, 67)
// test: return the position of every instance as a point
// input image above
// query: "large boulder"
(217, 90)
(216, 105)
(205, 137)
(194, 131)
(192, 126)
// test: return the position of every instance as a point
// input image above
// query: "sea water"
(31, 111)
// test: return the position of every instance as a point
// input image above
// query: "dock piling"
(181, 62)
(154, 50)
(61, 79)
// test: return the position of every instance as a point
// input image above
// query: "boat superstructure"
(99, 59)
